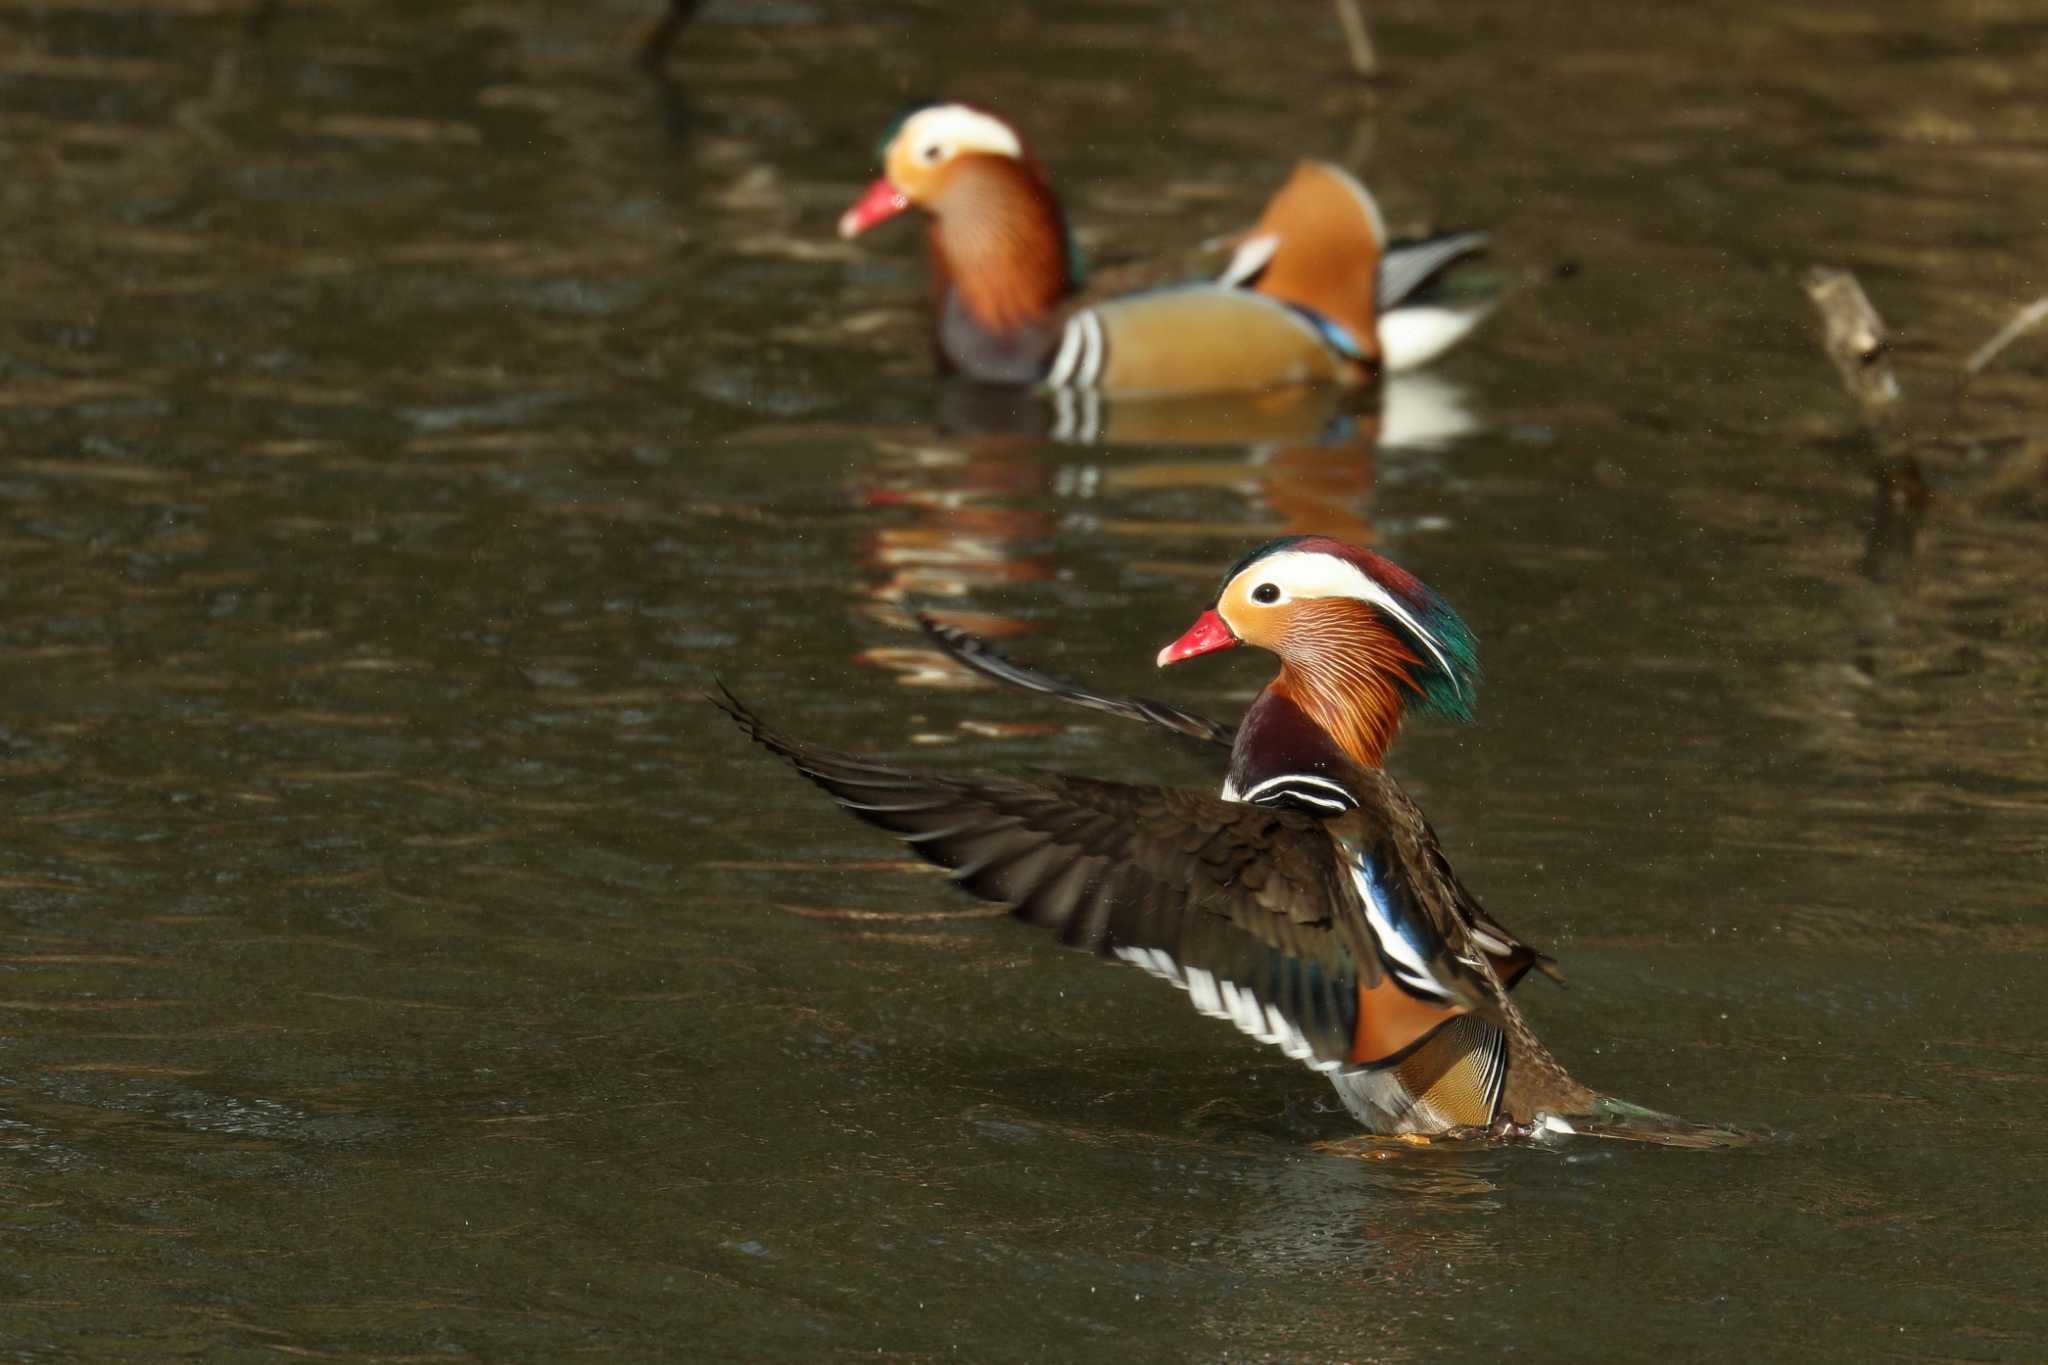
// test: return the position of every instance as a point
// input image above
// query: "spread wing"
(1247, 909)
(981, 657)
(1511, 957)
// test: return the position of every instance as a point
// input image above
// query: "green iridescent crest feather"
(1451, 695)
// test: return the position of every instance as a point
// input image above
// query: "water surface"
(406, 410)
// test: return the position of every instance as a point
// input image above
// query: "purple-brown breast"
(998, 238)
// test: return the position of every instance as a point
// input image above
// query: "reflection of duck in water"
(1414, 411)
(1313, 484)
(972, 516)
(1307, 299)
(1310, 903)
(969, 526)
(976, 504)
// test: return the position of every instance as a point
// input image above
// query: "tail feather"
(1409, 267)
(1619, 1121)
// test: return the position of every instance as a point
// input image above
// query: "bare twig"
(2024, 321)
(1364, 58)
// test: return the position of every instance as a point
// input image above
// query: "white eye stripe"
(1303, 574)
(962, 129)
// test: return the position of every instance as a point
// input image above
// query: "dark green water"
(404, 414)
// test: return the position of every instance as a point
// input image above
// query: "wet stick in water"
(1855, 339)
(1857, 342)
(661, 37)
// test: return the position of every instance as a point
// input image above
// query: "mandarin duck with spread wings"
(1309, 902)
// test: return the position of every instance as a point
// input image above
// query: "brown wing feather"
(974, 653)
(1469, 952)
(1245, 907)
(1512, 958)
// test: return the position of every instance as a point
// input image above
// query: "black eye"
(1266, 593)
(932, 151)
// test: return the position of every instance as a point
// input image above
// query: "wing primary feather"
(1002, 854)
(1248, 909)
(979, 656)
(911, 808)
(979, 823)
(1054, 904)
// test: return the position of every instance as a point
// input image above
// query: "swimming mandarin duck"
(1313, 294)
(1309, 903)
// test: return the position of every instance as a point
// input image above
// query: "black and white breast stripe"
(1496, 1074)
(1222, 999)
(1084, 350)
(1300, 791)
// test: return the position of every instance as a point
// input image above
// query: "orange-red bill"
(881, 202)
(1207, 635)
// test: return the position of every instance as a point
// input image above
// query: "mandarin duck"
(1313, 295)
(1309, 902)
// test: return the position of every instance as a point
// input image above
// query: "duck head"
(1360, 639)
(998, 234)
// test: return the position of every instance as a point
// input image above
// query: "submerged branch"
(2026, 320)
